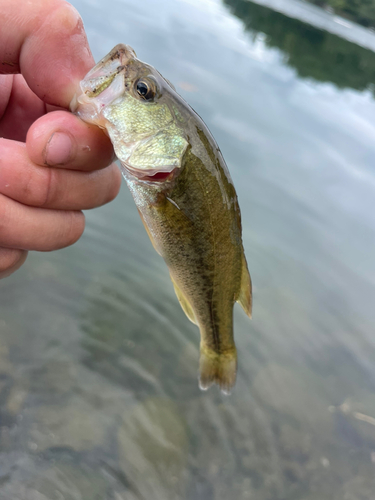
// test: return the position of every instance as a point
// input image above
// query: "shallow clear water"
(98, 364)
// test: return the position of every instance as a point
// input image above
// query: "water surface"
(98, 364)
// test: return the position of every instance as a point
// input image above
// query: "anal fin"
(185, 304)
(245, 297)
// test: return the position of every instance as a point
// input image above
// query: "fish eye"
(145, 90)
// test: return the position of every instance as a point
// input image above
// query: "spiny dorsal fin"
(245, 297)
(185, 304)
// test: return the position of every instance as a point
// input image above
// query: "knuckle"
(38, 188)
(74, 227)
(10, 260)
(116, 183)
(67, 228)
(113, 183)
(4, 213)
(48, 191)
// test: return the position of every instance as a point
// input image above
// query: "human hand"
(52, 164)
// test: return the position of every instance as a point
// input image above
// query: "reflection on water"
(98, 364)
(313, 53)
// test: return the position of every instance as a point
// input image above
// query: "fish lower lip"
(159, 176)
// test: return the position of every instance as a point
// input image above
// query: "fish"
(184, 194)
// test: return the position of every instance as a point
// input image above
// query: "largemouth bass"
(184, 194)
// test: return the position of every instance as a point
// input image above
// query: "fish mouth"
(160, 176)
(103, 84)
(103, 73)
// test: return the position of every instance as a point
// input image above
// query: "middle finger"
(30, 228)
(56, 188)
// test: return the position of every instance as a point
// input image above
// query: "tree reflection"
(312, 52)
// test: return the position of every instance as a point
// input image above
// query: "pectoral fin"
(148, 232)
(185, 304)
(245, 297)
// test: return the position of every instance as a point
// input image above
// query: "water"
(313, 15)
(98, 364)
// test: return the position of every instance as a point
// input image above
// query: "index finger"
(46, 42)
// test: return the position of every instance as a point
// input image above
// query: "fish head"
(140, 111)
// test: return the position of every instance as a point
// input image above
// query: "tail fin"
(220, 369)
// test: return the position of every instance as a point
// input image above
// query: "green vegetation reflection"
(359, 11)
(313, 53)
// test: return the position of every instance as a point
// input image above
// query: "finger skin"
(29, 228)
(46, 42)
(91, 149)
(6, 83)
(56, 188)
(20, 110)
(10, 261)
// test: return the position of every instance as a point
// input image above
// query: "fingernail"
(59, 149)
